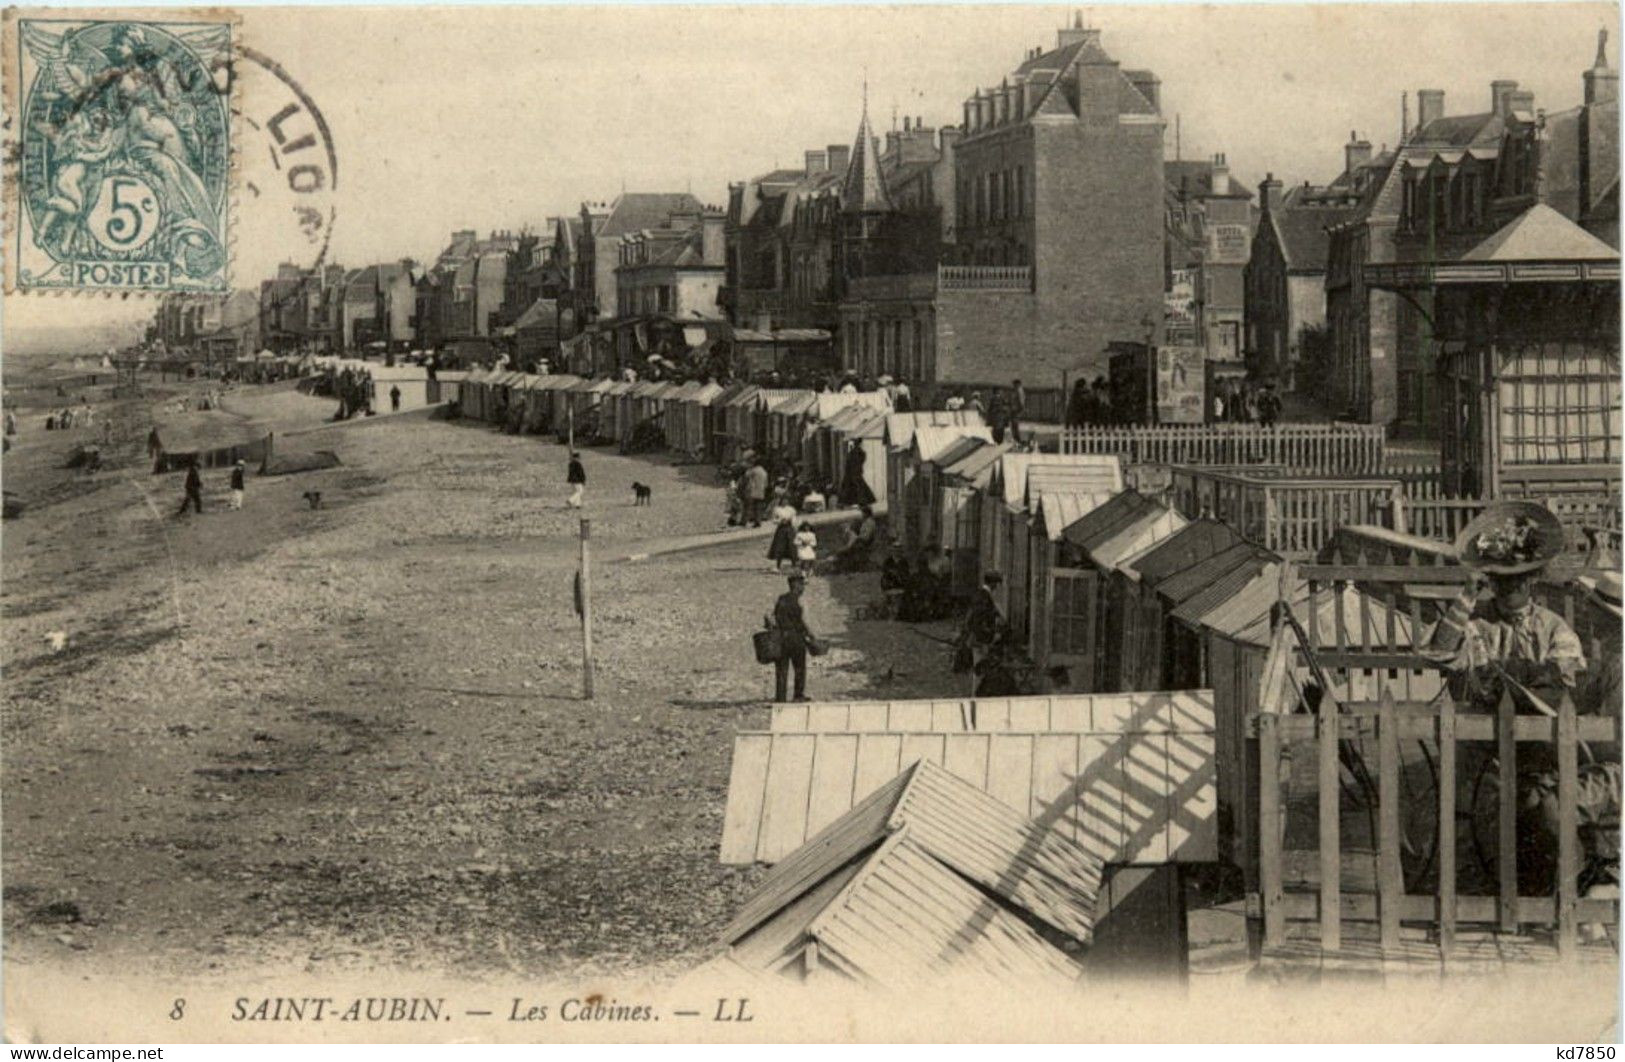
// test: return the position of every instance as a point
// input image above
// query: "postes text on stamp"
(121, 154)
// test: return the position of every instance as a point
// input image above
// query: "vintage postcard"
(793, 523)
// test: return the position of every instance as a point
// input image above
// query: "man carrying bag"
(794, 641)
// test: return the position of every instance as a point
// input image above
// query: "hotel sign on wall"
(1227, 244)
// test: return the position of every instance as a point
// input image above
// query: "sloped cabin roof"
(900, 427)
(964, 884)
(1194, 543)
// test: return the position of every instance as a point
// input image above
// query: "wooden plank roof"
(1130, 777)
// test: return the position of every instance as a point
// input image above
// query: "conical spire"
(864, 191)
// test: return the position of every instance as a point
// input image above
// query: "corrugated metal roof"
(830, 403)
(1138, 537)
(619, 387)
(1222, 591)
(1101, 523)
(1188, 582)
(847, 417)
(1074, 479)
(871, 425)
(1059, 511)
(950, 873)
(557, 382)
(931, 440)
(746, 398)
(975, 469)
(900, 427)
(708, 393)
(795, 405)
(1016, 468)
(1192, 544)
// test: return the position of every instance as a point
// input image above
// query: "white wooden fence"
(1333, 449)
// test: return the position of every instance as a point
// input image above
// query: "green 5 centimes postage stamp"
(119, 174)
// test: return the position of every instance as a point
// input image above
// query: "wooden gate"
(1325, 890)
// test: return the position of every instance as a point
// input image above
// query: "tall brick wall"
(1097, 258)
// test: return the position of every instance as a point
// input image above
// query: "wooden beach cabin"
(1081, 611)
(918, 508)
(900, 428)
(1129, 778)
(961, 475)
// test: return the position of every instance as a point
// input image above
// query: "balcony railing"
(985, 278)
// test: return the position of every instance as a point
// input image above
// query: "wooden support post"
(586, 609)
(1568, 837)
(1447, 826)
(1331, 832)
(1390, 878)
(1270, 827)
(1507, 814)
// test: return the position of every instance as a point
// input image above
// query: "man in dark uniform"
(576, 478)
(794, 637)
(194, 490)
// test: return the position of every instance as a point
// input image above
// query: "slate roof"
(1302, 234)
(635, 211)
(1197, 175)
(864, 188)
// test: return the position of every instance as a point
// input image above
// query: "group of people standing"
(193, 487)
(1244, 402)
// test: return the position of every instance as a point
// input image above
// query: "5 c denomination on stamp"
(120, 175)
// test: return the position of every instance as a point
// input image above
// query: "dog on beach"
(313, 498)
(642, 494)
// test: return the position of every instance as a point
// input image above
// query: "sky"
(447, 118)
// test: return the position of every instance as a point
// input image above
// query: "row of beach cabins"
(1173, 752)
(1159, 589)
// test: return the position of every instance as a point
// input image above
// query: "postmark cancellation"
(119, 173)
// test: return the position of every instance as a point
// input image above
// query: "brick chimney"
(1501, 91)
(1429, 106)
(1356, 153)
(1221, 175)
(1601, 83)
(712, 243)
(1075, 33)
(1269, 194)
(817, 162)
(840, 157)
(1521, 102)
(1149, 85)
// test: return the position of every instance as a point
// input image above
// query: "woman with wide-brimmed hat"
(1484, 637)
